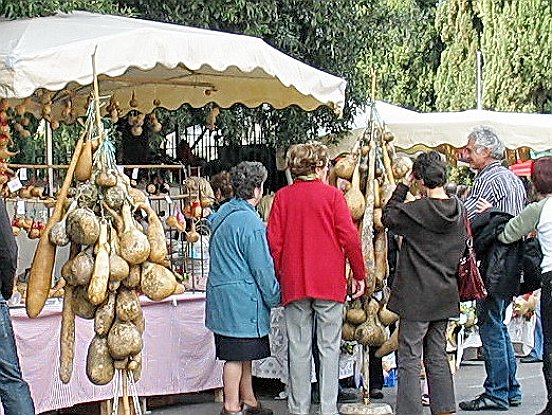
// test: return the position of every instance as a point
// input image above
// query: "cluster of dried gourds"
(5, 141)
(111, 259)
(370, 172)
(199, 196)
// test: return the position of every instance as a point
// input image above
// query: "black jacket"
(425, 286)
(8, 253)
(500, 264)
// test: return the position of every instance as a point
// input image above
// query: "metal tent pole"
(479, 61)
(49, 134)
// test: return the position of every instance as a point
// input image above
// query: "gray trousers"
(427, 338)
(300, 316)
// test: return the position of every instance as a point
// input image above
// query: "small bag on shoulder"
(470, 283)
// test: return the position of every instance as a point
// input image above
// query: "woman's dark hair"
(222, 182)
(529, 189)
(541, 175)
(430, 168)
(247, 176)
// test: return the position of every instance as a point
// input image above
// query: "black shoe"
(514, 401)
(482, 403)
(256, 410)
(348, 396)
(376, 394)
(223, 411)
(530, 359)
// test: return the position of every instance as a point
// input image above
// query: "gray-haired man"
(505, 192)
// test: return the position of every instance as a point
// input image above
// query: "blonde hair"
(265, 206)
(303, 159)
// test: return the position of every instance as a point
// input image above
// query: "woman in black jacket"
(425, 292)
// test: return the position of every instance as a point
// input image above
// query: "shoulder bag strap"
(221, 222)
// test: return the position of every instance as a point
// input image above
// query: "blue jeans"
(501, 384)
(14, 391)
(538, 344)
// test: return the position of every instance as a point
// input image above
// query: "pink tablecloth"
(179, 355)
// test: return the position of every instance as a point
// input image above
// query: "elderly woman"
(241, 289)
(538, 216)
(425, 292)
(311, 234)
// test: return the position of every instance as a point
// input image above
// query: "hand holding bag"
(470, 283)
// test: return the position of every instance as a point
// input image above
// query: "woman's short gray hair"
(247, 176)
(486, 137)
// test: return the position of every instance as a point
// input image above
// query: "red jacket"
(310, 233)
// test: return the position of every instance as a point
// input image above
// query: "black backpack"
(531, 266)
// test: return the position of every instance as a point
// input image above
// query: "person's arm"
(347, 235)
(522, 224)
(482, 189)
(392, 214)
(8, 254)
(274, 234)
(261, 266)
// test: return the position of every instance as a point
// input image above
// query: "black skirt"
(239, 349)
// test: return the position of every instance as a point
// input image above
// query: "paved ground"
(468, 381)
(468, 384)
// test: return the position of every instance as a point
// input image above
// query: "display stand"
(190, 260)
(175, 325)
(365, 407)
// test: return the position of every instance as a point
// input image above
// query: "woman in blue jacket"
(241, 288)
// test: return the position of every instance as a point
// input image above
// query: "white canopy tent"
(433, 129)
(151, 64)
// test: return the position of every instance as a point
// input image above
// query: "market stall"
(171, 198)
(410, 131)
(432, 129)
(412, 128)
(145, 64)
(136, 66)
(175, 325)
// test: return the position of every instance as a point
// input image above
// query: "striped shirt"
(500, 187)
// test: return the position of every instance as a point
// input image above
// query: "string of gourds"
(112, 258)
(370, 171)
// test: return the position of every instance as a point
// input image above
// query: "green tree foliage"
(515, 37)
(13, 9)
(460, 28)
(517, 47)
(329, 35)
(405, 52)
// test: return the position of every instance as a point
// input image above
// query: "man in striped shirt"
(494, 182)
(500, 187)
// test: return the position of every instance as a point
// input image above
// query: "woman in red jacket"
(311, 234)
